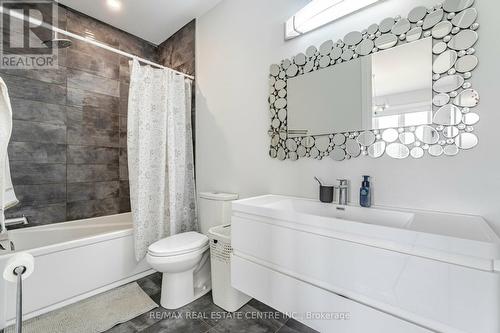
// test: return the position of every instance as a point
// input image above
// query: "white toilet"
(184, 259)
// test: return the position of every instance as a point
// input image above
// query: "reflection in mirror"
(392, 88)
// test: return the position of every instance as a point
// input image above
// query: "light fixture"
(320, 12)
(115, 5)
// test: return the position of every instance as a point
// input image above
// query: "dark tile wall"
(68, 148)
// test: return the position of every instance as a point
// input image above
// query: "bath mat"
(93, 315)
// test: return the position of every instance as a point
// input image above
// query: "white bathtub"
(73, 260)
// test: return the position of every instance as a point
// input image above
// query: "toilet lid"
(178, 244)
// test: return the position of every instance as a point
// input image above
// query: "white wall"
(236, 43)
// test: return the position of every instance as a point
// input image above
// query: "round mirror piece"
(414, 34)
(449, 83)
(441, 99)
(439, 48)
(450, 150)
(353, 148)
(467, 98)
(466, 63)
(272, 152)
(435, 150)
(283, 134)
(407, 138)
(293, 156)
(417, 152)
(353, 38)
(286, 63)
(450, 132)
(386, 41)
(301, 151)
(275, 140)
(417, 14)
(444, 62)
(292, 70)
(372, 29)
(347, 54)
(322, 143)
(300, 59)
(280, 84)
(338, 154)
(465, 19)
(366, 138)
(275, 123)
(386, 25)
(309, 66)
(314, 153)
(441, 29)
(280, 103)
(464, 40)
(291, 145)
(307, 142)
(281, 154)
(365, 47)
(453, 6)
(397, 150)
(326, 47)
(274, 69)
(466, 140)
(390, 135)
(470, 118)
(282, 94)
(432, 19)
(377, 149)
(402, 26)
(448, 115)
(324, 61)
(311, 51)
(339, 139)
(427, 134)
(336, 53)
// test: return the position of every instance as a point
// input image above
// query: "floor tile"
(294, 326)
(248, 320)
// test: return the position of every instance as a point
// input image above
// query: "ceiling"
(152, 20)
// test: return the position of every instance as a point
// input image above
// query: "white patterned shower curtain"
(160, 155)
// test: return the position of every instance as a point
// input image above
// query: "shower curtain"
(160, 155)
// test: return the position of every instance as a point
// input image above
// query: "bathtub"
(73, 261)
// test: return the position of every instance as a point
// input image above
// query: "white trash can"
(224, 295)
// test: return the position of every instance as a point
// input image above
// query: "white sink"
(399, 271)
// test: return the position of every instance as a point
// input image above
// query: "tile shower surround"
(68, 148)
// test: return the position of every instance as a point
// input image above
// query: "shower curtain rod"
(38, 22)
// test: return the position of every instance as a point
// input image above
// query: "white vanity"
(349, 269)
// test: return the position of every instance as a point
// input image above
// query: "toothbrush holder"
(326, 193)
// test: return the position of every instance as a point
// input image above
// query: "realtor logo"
(27, 34)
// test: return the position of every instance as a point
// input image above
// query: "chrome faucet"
(343, 188)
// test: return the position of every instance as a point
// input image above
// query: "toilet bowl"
(184, 261)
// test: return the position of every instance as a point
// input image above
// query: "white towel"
(7, 195)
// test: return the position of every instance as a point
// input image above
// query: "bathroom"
(146, 128)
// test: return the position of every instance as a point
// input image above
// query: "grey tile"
(205, 307)
(281, 317)
(23, 109)
(92, 155)
(80, 97)
(294, 326)
(125, 206)
(92, 208)
(94, 52)
(28, 131)
(124, 188)
(123, 131)
(178, 325)
(247, 320)
(82, 80)
(151, 284)
(93, 65)
(126, 327)
(24, 173)
(55, 75)
(22, 87)
(89, 116)
(124, 92)
(81, 173)
(39, 215)
(92, 191)
(91, 136)
(37, 152)
(41, 194)
(123, 164)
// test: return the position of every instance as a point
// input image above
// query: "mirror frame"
(439, 139)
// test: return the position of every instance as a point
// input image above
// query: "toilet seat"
(179, 244)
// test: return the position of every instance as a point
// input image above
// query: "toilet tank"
(214, 209)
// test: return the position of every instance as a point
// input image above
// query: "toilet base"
(179, 289)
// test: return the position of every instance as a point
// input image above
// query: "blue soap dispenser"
(365, 196)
